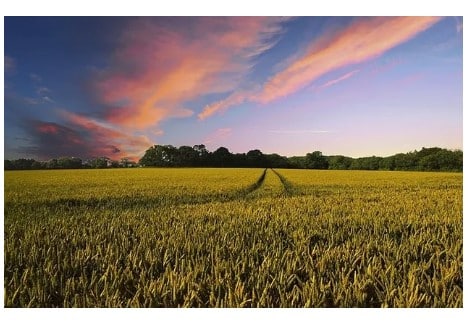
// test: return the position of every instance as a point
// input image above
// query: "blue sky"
(356, 86)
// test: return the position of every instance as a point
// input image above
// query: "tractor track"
(288, 187)
(256, 185)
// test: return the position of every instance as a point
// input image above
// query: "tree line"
(68, 163)
(426, 159)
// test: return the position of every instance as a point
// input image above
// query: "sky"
(114, 86)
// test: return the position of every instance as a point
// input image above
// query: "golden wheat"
(233, 238)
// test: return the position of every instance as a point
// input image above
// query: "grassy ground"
(232, 238)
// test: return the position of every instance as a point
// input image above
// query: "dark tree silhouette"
(427, 159)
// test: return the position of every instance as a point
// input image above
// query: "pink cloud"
(47, 128)
(52, 140)
(103, 139)
(159, 66)
(341, 78)
(364, 39)
(218, 136)
(235, 98)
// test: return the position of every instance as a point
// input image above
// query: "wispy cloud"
(42, 91)
(341, 78)
(42, 97)
(35, 77)
(158, 67)
(31, 101)
(9, 64)
(362, 40)
(218, 136)
(299, 131)
(235, 98)
(46, 99)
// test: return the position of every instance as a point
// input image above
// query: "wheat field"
(232, 238)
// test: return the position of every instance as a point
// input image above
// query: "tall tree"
(256, 159)
(187, 157)
(221, 157)
(316, 160)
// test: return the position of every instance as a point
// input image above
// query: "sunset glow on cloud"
(235, 98)
(156, 70)
(114, 86)
(114, 143)
(362, 40)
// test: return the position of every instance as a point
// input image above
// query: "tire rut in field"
(288, 187)
(255, 185)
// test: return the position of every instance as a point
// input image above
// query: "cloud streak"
(364, 39)
(341, 78)
(300, 131)
(218, 136)
(160, 66)
(221, 106)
